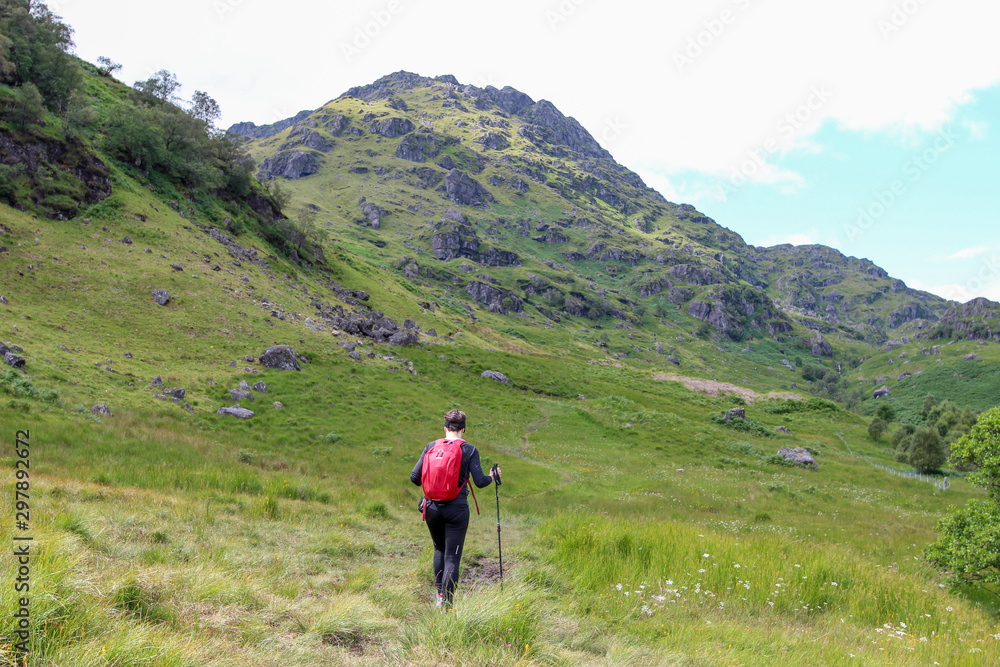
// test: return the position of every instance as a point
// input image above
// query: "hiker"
(448, 520)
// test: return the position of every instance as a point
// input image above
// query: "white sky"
(667, 87)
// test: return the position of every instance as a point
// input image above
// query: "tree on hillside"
(204, 108)
(969, 544)
(902, 438)
(161, 85)
(927, 453)
(34, 48)
(106, 66)
(929, 403)
(29, 106)
(886, 411)
(876, 428)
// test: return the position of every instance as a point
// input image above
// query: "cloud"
(967, 253)
(959, 292)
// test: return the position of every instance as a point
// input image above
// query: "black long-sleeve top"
(470, 465)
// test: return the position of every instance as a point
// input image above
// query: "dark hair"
(454, 420)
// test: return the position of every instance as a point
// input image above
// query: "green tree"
(902, 438)
(161, 85)
(29, 106)
(876, 428)
(929, 403)
(885, 411)
(968, 547)
(106, 66)
(980, 448)
(204, 108)
(35, 49)
(927, 451)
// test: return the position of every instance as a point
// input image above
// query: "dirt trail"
(713, 388)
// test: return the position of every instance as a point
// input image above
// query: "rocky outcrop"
(280, 357)
(880, 392)
(290, 165)
(494, 141)
(421, 146)
(306, 137)
(463, 189)
(493, 256)
(730, 310)
(695, 274)
(46, 161)
(800, 456)
(248, 129)
(497, 299)
(391, 127)
(820, 346)
(451, 240)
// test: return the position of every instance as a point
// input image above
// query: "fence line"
(941, 484)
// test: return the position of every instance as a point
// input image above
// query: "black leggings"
(448, 523)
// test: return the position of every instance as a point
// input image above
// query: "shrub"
(332, 438)
(927, 452)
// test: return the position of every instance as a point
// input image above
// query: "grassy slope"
(167, 538)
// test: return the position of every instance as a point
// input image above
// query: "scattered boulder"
(495, 375)
(237, 411)
(260, 386)
(239, 395)
(736, 413)
(674, 360)
(187, 406)
(972, 357)
(881, 391)
(782, 429)
(404, 337)
(156, 383)
(243, 385)
(281, 357)
(463, 189)
(278, 405)
(800, 456)
(820, 346)
(13, 360)
(161, 296)
(101, 409)
(176, 392)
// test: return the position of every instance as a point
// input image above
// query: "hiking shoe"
(439, 601)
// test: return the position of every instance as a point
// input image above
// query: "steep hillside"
(449, 180)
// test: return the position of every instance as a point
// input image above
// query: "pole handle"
(496, 477)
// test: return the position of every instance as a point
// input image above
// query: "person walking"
(444, 474)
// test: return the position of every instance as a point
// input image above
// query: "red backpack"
(442, 467)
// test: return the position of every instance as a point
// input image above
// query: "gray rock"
(176, 267)
(354, 354)
(101, 409)
(260, 386)
(187, 406)
(239, 395)
(799, 455)
(781, 429)
(971, 357)
(237, 411)
(736, 413)
(495, 375)
(281, 357)
(13, 360)
(291, 165)
(243, 384)
(157, 382)
(674, 360)
(391, 127)
(881, 391)
(161, 296)
(176, 392)
(278, 405)
(820, 346)
(463, 189)
(404, 338)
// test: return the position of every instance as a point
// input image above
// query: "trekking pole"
(496, 481)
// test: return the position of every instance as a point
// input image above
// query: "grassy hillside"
(170, 538)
